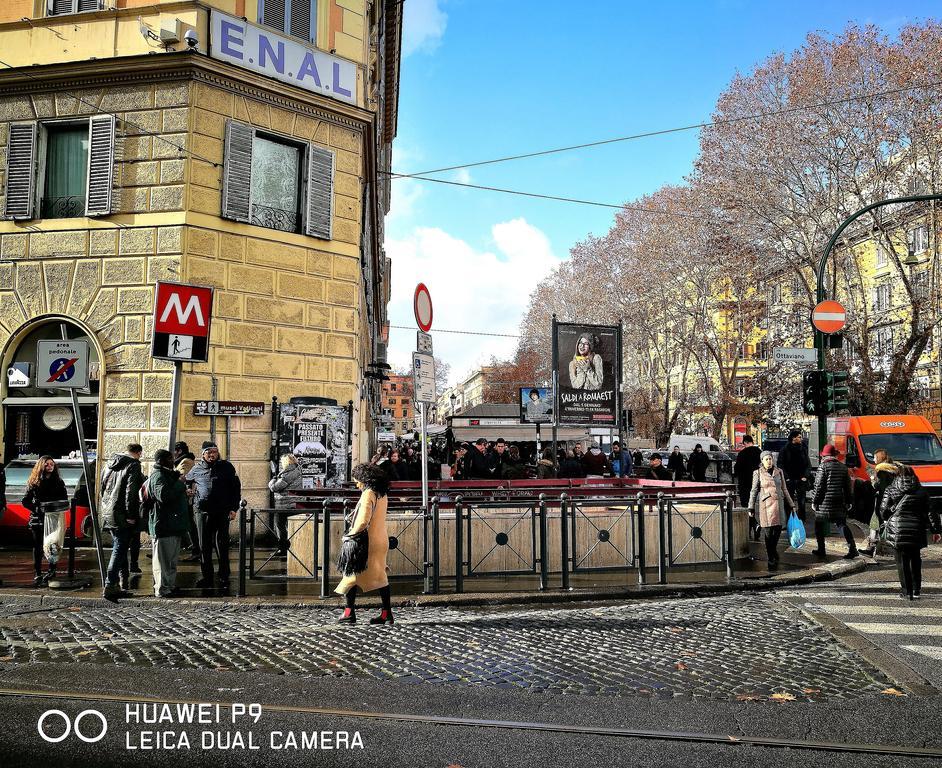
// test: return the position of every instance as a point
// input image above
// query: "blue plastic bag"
(796, 531)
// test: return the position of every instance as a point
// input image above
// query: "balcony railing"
(275, 218)
(62, 207)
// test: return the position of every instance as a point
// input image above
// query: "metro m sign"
(182, 315)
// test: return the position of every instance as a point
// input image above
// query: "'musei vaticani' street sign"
(182, 316)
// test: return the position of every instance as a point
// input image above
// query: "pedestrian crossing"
(910, 630)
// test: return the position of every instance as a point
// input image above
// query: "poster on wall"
(587, 364)
(536, 405)
(317, 436)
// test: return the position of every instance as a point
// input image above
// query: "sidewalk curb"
(824, 572)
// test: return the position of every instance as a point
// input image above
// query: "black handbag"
(354, 551)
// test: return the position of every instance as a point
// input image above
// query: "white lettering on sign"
(892, 424)
(192, 307)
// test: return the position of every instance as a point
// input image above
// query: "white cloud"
(463, 176)
(471, 290)
(423, 26)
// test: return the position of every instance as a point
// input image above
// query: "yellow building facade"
(132, 150)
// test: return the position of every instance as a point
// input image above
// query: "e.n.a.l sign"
(182, 316)
(268, 53)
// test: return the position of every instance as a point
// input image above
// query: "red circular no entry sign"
(422, 304)
(829, 316)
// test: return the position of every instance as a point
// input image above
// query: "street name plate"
(227, 408)
(794, 354)
(423, 377)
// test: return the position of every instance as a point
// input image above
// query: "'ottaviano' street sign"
(265, 51)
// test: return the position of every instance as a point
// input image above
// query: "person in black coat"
(833, 496)
(909, 515)
(747, 462)
(45, 492)
(796, 466)
(697, 464)
(476, 462)
(3, 491)
(675, 463)
(656, 470)
(571, 467)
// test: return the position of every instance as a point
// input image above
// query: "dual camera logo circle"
(89, 738)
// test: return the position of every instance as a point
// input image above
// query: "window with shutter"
(100, 165)
(297, 18)
(237, 174)
(64, 7)
(65, 171)
(21, 164)
(320, 188)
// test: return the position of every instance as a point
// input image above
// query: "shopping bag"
(796, 531)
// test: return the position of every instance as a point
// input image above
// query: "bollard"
(564, 539)
(72, 514)
(639, 508)
(728, 526)
(436, 549)
(242, 545)
(459, 548)
(325, 552)
(544, 558)
(426, 562)
(661, 571)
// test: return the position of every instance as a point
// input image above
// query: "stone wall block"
(344, 138)
(123, 386)
(103, 309)
(346, 231)
(343, 294)
(207, 148)
(248, 389)
(274, 254)
(195, 387)
(344, 320)
(340, 346)
(6, 277)
(231, 247)
(166, 198)
(146, 121)
(251, 279)
(125, 98)
(44, 104)
(176, 120)
(271, 365)
(250, 445)
(160, 416)
(134, 200)
(209, 123)
(347, 162)
(170, 239)
(227, 361)
(274, 311)
(156, 386)
(87, 103)
(205, 175)
(163, 268)
(170, 146)
(58, 279)
(123, 271)
(135, 148)
(341, 392)
(204, 200)
(29, 287)
(125, 416)
(136, 300)
(16, 108)
(250, 335)
(305, 127)
(11, 316)
(297, 287)
(282, 121)
(298, 340)
(346, 268)
(228, 305)
(343, 370)
(318, 368)
(259, 114)
(319, 263)
(103, 242)
(14, 246)
(346, 207)
(206, 272)
(112, 334)
(214, 99)
(139, 174)
(172, 94)
(172, 171)
(67, 243)
(85, 285)
(318, 317)
(139, 240)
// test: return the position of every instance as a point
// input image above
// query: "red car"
(13, 521)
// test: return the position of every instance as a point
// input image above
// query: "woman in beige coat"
(768, 502)
(370, 515)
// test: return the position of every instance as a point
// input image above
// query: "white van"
(687, 443)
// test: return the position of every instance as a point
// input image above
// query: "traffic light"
(837, 392)
(811, 392)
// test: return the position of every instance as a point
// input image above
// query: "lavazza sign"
(268, 53)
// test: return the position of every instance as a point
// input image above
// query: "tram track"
(690, 737)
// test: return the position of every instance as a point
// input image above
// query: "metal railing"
(505, 538)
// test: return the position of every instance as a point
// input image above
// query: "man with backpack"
(167, 505)
(120, 513)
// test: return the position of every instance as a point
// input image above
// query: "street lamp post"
(821, 294)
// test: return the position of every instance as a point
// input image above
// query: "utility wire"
(681, 129)
(520, 193)
(464, 333)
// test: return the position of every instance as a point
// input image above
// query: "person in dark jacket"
(495, 459)
(476, 465)
(909, 515)
(571, 467)
(595, 463)
(545, 469)
(120, 513)
(459, 469)
(514, 467)
(45, 492)
(183, 461)
(675, 464)
(620, 461)
(747, 463)
(216, 491)
(397, 469)
(794, 462)
(697, 464)
(167, 521)
(656, 468)
(3, 491)
(833, 496)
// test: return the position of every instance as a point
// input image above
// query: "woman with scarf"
(45, 494)
(585, 368)
(767, 503)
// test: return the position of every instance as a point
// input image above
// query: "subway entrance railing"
(544, 533)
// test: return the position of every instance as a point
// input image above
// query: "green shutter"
(320, 193)
(21, 171)
(237, 173)
(100, 165)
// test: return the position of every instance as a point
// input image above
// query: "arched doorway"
(36, 420)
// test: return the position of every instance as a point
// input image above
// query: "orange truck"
(908, 439)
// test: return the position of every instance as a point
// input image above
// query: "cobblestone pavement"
(739, 646)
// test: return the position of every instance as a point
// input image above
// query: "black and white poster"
(317, 436)
(536, 405)
(587, 362)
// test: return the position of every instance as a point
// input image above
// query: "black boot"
(350, 612)
(386, 615)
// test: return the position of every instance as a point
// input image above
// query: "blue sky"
(488, 78)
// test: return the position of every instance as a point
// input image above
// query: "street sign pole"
(424, 459)
(555, 398)
(175, 404)
(90, 483)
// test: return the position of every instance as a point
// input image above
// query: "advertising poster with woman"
(587, 361)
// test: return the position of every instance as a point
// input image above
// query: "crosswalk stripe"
(932, 630)
(932, 651)
(883, 610)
